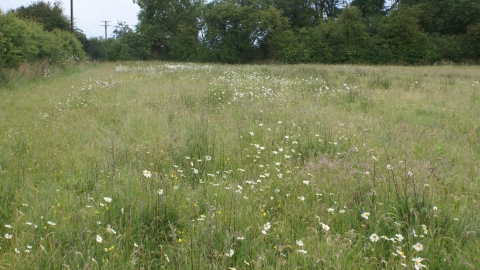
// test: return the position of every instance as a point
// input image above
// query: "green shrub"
(26, 41)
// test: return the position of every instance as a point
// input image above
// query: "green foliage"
(403, 37)
(45, 13)
(4, 44)
(448, 48)
(95, 48)
(228, 31)
(473, 41)
(242, 33)
(237, 31)
(369, 8)
(298, 12)
(126, 45)
(69, 44)
(26, 41)
(286, 47)
(446, 17)
(183, 46)
(353, 40)
(113, 48)
(163, 33)
(23, 40)
(333, 41)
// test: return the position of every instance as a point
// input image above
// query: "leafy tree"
(241, 33)
(337, 41)
(369, 8)
(272, 28)
(48, 14)
(132, 43)
(161, 21)
(183, 45)
(352, 35)
(329, 8)
(459, 14)
(300, 13)
(228, 30)
(122, 30)
(449, 17)
(402, 35)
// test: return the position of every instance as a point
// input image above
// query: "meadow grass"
(155, 165)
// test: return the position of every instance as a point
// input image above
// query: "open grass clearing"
(189, 166)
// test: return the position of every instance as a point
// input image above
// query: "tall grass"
(184, 166)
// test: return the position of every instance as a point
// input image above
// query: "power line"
(96, 10)
(106, 25)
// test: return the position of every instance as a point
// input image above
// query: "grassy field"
(186, 166)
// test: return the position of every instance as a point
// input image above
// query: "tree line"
(306, 31)
(291, 31)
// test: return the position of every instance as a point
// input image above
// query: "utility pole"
(71, 16)
(106, 25)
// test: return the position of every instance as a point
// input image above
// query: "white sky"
(89, 14)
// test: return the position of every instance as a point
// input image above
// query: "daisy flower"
(399, 237)
(418, 263)
(418, 247)
(99, 239)
(365, 215)
(147, 173)
(267, 226)
(374, 237)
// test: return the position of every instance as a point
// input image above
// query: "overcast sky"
(89, 14)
